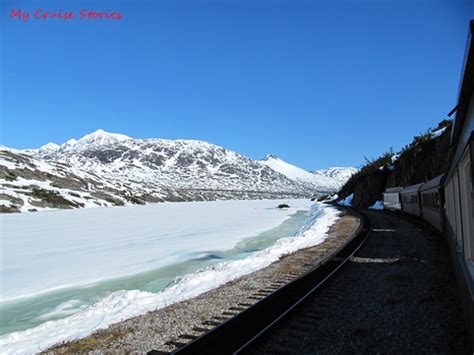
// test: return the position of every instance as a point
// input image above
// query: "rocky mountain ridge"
(104, 169)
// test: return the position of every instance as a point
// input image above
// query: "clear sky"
(318, 83)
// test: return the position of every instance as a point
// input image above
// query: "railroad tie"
(188, 336)
(238, 309)
(176, 344)
(269, 289)
(244, 304)
(276, 285)
(201, 329)
(229, 313)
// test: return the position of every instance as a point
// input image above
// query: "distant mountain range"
(105, 169)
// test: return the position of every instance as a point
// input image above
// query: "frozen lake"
(70, 272)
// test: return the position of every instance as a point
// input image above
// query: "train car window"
(431, 200)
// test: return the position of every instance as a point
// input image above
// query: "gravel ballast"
(396, 296)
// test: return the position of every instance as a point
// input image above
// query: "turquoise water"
(28, 313)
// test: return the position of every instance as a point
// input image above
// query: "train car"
(411, 200)
(459, 188)
(391, 198)
(432, 202)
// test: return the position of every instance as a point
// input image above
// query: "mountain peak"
(270, 156)
(103, 136)
(49, 147)
(96, 138)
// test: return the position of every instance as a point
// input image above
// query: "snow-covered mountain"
(324, 180)
(102, 169)
(337, 174)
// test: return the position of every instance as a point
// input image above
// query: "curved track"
(397, 296)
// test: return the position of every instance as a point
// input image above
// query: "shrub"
(53, 198)
(115, 202)
(135, 200)
(8, 209)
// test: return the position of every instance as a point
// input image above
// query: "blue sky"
(318, 83)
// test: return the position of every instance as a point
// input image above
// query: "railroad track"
(244, 324)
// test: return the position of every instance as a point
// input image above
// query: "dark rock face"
(423, 162)
(104, 156)
(155, 160)
(185, 160)
(369, 188)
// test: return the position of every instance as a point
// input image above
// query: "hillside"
(421, 160)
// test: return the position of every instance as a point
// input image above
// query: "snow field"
(230, 222)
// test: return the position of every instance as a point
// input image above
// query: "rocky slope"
(424, 158)
(103, 169)
(30, 184)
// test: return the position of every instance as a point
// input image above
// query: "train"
(423, 200)
(446, 201)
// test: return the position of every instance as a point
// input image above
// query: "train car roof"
(411, 189)
(393, 190)
(465, 87)
(435, 182)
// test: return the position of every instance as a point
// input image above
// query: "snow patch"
(347, 201)
(437, 133)
(378, 205)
